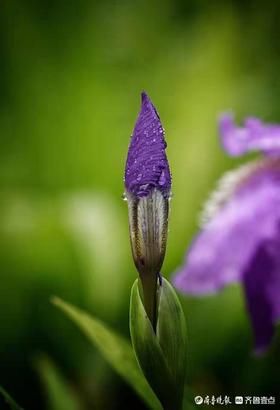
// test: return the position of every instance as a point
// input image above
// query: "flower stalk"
(157, 324)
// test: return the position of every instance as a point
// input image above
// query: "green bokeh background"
(71, 74)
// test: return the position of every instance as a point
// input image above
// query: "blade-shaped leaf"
(171, 334)
(161, 355)
(116, 350)
(59, 394)
(149, 353)
(13, 405)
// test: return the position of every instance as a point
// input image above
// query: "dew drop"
(162, 178)
(124, 197)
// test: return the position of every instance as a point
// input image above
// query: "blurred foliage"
(70, 77)
(9, 401)
(114, 348)
(59, 395)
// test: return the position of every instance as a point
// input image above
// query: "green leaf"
(161, 355)
(116, 350)
(188, 401)
(59, 394)
(171, 333)
(13, 405)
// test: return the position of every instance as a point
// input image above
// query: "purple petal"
(147, 166)
(228, 242)
(262, 289)
(253, 136)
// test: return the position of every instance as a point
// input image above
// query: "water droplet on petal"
(124, 197)
(162, 178)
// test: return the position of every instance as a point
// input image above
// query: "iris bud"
(148, 183)
(157, 324)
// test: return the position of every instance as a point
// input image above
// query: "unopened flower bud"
(148, 184)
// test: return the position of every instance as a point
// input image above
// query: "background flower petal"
(262, 289)
(222, 251)
(253, 136)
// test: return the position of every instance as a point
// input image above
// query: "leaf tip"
(56, 301)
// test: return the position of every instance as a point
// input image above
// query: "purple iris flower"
(240, 236)
(147, 190)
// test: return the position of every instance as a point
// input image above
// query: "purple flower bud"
(148, 183)
(147, 166)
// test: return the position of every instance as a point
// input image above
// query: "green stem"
(149, 288)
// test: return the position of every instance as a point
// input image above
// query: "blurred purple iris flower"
(240, 236)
